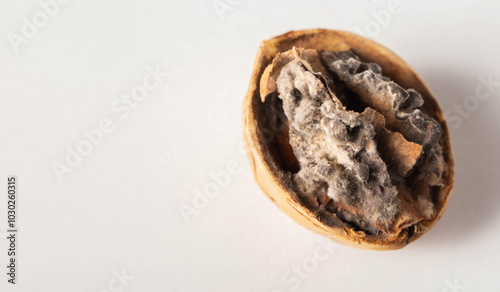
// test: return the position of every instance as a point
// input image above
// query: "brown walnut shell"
(272, 159)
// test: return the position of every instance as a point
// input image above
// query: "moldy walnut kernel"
(363, 153)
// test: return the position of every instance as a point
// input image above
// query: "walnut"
(346, 139)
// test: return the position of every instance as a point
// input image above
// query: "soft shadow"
(474, 203)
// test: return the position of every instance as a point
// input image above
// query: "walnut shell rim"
(272, 179)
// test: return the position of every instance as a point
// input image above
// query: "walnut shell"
(272, 158)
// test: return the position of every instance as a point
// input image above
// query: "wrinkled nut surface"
(347, 139)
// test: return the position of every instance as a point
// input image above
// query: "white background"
(120, 208)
